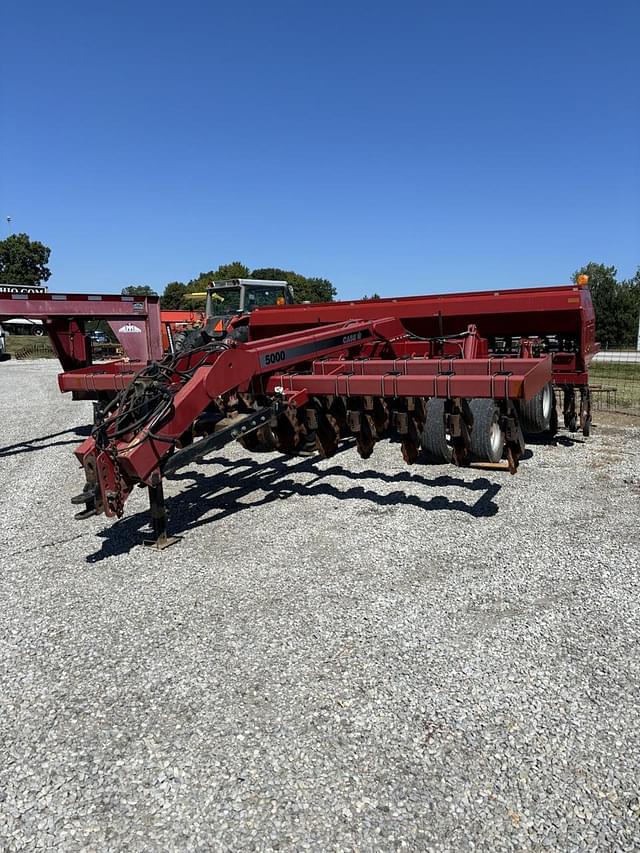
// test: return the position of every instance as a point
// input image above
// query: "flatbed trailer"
(134, 320)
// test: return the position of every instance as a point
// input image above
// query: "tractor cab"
(243, 295)
(228, 304)
(227, 308)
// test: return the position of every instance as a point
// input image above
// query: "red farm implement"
(451, 378)
(305, 390)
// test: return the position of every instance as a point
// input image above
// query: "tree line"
(174, 296)
(616, 302)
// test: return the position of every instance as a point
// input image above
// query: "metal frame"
(134, 320)
(563, 311)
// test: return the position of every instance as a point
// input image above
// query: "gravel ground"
(339, 655)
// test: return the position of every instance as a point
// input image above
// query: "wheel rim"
(546, 402)
(495, 438)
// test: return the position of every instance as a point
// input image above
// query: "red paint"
(135, 321)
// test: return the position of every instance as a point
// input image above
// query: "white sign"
(22, 288)
(129, 328)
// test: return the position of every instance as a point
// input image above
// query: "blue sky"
(403, 148)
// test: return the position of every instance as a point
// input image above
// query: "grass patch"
(622, 370)
(38, 345)
(623, 376)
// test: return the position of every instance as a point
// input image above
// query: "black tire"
(240, 334)
(38, 331)
(487, 438)
(188, 340)
(535, 414)
(433, 437)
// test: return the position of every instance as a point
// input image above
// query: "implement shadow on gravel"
(33, 444)
(202, 504)
(559, 440)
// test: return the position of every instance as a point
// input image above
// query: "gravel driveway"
(339, 655)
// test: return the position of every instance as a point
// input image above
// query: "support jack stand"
(88, 497)
(159, 520)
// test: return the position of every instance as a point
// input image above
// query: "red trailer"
(134, 320)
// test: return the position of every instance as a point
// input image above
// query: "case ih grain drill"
(454, 378)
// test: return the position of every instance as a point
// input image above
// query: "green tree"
(635, 281)
(199, 284)
(304, 289)
(374, 295)
(630, 308)
(138, 290)
(23, 261)
(173, 295)
(634, 285)
(233, 270)
(616, 304)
